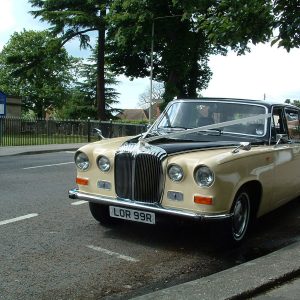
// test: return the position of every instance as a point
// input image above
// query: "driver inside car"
(204, 117)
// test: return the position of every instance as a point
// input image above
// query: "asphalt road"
(52, 248)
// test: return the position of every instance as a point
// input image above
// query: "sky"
(266, 71)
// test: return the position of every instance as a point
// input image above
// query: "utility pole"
(151, 61)
(151, 72)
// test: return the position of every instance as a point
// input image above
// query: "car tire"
(240, 220)
(101, 213)
(233, 231)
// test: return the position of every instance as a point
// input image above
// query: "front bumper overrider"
(156, 208)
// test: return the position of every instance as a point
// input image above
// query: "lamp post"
(151, 71)
(151, 61)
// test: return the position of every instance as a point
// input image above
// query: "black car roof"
(266, 103)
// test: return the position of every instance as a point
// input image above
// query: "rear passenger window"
(279, 125)
(292, 117)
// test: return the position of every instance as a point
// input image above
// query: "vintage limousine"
(209, 159)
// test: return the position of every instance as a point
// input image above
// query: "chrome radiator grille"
(139, 174)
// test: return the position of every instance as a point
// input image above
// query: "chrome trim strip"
(75, 194)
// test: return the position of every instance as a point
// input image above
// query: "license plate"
(132, 214)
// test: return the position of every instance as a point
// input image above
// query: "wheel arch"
(255, 189)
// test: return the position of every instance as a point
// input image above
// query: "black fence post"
(89, 129)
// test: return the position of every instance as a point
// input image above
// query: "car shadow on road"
(269, 233)
(189, 245)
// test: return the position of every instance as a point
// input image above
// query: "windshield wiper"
(176, 128)
(210, 132)
(166, 129)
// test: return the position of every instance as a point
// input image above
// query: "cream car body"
(265, 175)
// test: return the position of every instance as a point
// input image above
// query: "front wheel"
(241, 210)
(233, 231)
(101, 213)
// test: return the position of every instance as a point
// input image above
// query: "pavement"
(37, 149)
(273, 276)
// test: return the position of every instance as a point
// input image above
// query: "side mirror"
(244, 146)
(99, 133)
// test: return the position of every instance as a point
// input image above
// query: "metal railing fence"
(22, 132)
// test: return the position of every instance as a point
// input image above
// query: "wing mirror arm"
(99, 133)
(242, 146)
(282, 138)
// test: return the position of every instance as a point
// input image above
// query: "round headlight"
(204, 176)
(175, 173)
(82, 161)
(103, 163)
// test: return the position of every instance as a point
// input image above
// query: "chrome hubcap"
(241, 212)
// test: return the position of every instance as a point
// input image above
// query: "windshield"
(184, 115)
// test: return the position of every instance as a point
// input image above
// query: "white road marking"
(79, 202)
(53, 165)
(111, 253)
(17, 219)
(70, 152)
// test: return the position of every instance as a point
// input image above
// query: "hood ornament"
(142, 146)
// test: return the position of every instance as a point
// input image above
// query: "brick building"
(10, 106)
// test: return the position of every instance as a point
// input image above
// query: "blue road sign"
(2, 104)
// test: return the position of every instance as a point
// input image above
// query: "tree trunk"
(100, 92)
(39, 109)
(171, 89)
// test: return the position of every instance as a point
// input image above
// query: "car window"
(278, 122)
(173, 117)
(189, 114)
(292, 117)
(240, 111)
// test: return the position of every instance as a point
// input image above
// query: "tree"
(32, 68)
(77, 18)
(180, 52)
(293, 102)
(83, 101)
(235, 24)
(157, 95)
(287, 22)
(231, 23)
(188, 31)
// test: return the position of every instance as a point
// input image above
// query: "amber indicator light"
(82, 181)
(203, 200)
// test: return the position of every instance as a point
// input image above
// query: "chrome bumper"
(75, 194)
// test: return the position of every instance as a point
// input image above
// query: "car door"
(286, 155)
(292, 118)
